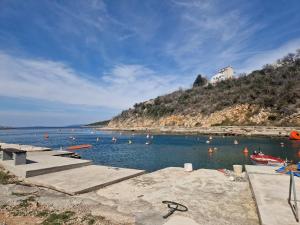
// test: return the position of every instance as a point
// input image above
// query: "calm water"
(165, 150)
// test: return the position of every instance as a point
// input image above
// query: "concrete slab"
(28, 148)
(180, 220)
(271, 194)
(84, 179)
(211, 198)
(51, 153)
(39, 164)
(262, 169)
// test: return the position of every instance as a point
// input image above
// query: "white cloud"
(209, 35)
(55, 81)
(268, 56)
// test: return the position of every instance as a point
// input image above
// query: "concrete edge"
(33, 173)
(109, 183)
(254, 198)
(38, 184)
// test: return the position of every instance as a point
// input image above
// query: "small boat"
(294, 135)
(46, 135)
(269, 160)
(76, 147)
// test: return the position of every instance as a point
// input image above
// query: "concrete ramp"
(39, 164)
(271, 191)
(84, 179)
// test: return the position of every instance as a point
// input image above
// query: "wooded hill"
(275, 89)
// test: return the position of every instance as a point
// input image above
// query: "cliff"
(270, 96)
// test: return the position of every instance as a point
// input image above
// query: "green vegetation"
(58, 218)
(26, 202)
(100, 123)
(200, 81)
(276, 87)
(4, 177)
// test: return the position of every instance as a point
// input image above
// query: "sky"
(80, 61)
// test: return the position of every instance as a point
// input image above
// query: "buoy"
(114, 139)
(210, 150)
(207, 141)
(210, 138)
(294, 135)
(246, 150)
(235, 142)
(299, 153)
(129, 142)
(46, 135)
(98, 139)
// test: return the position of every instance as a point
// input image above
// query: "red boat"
(76, 147)
(269, 160)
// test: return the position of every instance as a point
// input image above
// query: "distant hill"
(270, 96)
(100, 123)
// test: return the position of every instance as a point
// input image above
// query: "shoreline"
(253, 131)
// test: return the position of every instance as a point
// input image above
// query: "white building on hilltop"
(223, 74)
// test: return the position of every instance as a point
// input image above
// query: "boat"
(294, 135)
(76, 147)
(269, 160)
(46, 135)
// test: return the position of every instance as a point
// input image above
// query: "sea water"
(164, 150)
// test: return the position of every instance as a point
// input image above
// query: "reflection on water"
(163, 150)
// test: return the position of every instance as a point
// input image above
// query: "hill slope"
(270, 96)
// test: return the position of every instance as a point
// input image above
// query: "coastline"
(262, 131)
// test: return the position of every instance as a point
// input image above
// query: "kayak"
(269, 160)
(76, 147)
(294, 135)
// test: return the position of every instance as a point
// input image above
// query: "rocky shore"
(269, 131)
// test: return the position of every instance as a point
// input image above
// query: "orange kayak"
(76, 147)
(294, 135)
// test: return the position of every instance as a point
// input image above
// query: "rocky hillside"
(270, 96)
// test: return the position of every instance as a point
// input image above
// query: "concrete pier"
(211, 198)
(38, 164)
(84, 179)
(271, 191)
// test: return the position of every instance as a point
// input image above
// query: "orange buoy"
(246, 150)
(294, 135)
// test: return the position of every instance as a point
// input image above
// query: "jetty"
(135, 197)
(55, 169)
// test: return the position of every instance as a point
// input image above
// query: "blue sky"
(73, 62)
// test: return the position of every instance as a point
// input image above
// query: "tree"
(200, 81)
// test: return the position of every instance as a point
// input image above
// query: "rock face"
(244, 114)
